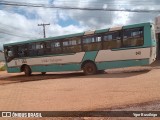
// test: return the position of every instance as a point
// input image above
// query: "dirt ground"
(124, 89)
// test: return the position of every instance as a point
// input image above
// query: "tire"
(27, 71)
(90, 68)
(43, 73)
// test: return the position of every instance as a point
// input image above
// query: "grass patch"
(3, 68)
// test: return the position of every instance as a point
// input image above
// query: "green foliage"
(3, 68)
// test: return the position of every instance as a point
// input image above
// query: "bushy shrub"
(3, 68)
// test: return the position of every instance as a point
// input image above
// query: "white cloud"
(105, 6)
(15, 24)
(121, 18)
(18, 23)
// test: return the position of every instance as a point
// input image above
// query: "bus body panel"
(153, 55)
(118, 55)
(121, 64)
(48, 68)
(77, 67)
(64, 59)
(56, 68)
(13, 69)
(91, 55)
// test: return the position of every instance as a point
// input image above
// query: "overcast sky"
(20, 23)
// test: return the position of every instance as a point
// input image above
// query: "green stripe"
(13, 70)
(56, 68)
(136, 25)
(48, 68)
(77, 67)
(90, 56)
(130, 48)
(121, 64)
(101, 31)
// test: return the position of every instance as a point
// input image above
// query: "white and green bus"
(92, 51)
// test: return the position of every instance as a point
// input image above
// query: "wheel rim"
(89, 69)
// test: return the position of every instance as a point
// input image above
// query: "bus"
(91, 51)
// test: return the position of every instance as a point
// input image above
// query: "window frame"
(55, 47)
(77, 39)
(40, 43)
(95, 41)
(112, 32)
(26, 49)
(13, 49)
(133, 37)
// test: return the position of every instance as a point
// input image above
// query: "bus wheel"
(90, 68)
(43, 73)
(27, 70)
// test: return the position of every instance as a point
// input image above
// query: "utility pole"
(44, 28)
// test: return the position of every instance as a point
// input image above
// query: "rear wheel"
(90, 68)
(27, 70)
(43, 73)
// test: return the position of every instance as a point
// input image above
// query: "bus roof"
(77, 34)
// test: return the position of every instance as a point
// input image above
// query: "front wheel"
(27, 70)
(90, 68)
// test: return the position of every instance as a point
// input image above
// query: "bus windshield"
(9, 53)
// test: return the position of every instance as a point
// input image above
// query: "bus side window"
(98, 39)
(10, 53)
(112, 40)
(56, 47)
(133, 37)
(39, 48)
(47, 47)
(22, 51)
(32, 49)
(91, 43)
(72, 45)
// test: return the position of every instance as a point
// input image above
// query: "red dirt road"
(74, 91)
